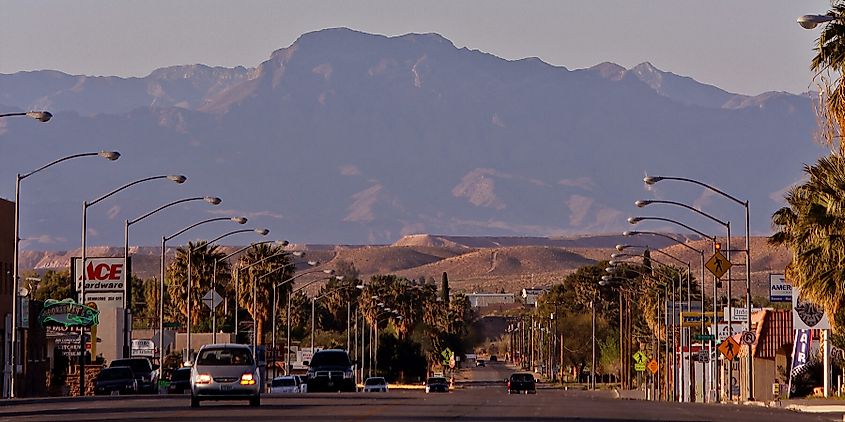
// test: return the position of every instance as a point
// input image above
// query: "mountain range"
(345, 137)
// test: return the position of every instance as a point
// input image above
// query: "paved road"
(482, 399)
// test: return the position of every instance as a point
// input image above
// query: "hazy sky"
(747, 47)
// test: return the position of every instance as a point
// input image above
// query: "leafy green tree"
(829, 64)
(266, 265)
(53, 285)
(202, 260)
(811, 226)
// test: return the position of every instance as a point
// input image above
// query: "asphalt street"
(481, 397)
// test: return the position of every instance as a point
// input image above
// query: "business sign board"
(779, 289)
(68, 313)
(143, 348)
(693, 319)
(807, 315)
(738, 313)
(106, 286)
(66, 340)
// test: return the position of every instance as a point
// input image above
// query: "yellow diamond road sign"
(718, 264)
(730, 348)
(653, 366)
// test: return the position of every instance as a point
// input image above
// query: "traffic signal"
(718, 246)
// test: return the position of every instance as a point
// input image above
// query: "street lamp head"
(41, 116)
(387, 309)
(262, 232)
(606, 278)
(339, 277)
(178, 178)
(239, 220)
(213, 200)
(374, 297)
(650, 180)
(380, 304)
(360, 287)
(634, 220)
(610, 270)
(300, 254)
(630, 233)
(812, 21)
(329, 272)
(621, 248)
(603, 283)
(613, 263)
(282, 243)
(313, 263)
(642, 202)
(617, 255)
(109, 155)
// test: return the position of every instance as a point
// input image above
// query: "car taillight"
(509, 384)
(203, 379)
(247, 379)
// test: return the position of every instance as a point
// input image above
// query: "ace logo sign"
(101, 275)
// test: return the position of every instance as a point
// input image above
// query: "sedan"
(437, 385)
(285, 385)
(116, 381)
(375, 385)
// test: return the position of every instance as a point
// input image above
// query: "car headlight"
(203, 379)
(247, 379)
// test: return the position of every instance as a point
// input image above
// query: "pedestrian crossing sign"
(718, 264)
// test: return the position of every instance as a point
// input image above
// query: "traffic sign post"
(718, 264)
(730, 348)
(640, 361)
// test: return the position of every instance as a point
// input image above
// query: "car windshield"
(374, 381)
(330, 358)
(116, 373)
(224, 356)
(522, 378)
(181, 374)
(137, 365)
(284, 382)
(437, 380)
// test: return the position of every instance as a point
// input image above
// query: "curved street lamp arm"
(275, 270)
(128, 185)
(681, 204)
(69, 157)
(669, 220)
(245, 248)
(131, 222)
(167, 238)
(665, 236)
(230, 234)
(650, 249)
(332, 291)
(702, 184)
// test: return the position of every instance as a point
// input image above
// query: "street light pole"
(109, 155)
(260, 232)
(809, 20)
(85, 205)
(127, 326)
(164, 240)
(41, 116)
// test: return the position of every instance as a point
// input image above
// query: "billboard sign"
(68, 313)
(101, 275)
(779, 289)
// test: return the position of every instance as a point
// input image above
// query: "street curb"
(68, 399)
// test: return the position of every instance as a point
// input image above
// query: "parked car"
(522, 382)
(180, 381)
(375, 385)
(436, 385)
(331, 370)
(480, 363)
(145, 372)
(494, 358)
(303, 386)
(115, 381)
(285, 384)
(225, 372)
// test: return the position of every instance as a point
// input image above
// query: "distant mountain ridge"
(354, 138)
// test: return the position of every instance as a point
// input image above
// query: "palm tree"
(830, 59)
(202, 264)
(813, 228)
(265, 265)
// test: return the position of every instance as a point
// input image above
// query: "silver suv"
(225, 372)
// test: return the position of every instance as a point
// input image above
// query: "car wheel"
(255, 401)
(195, 402)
